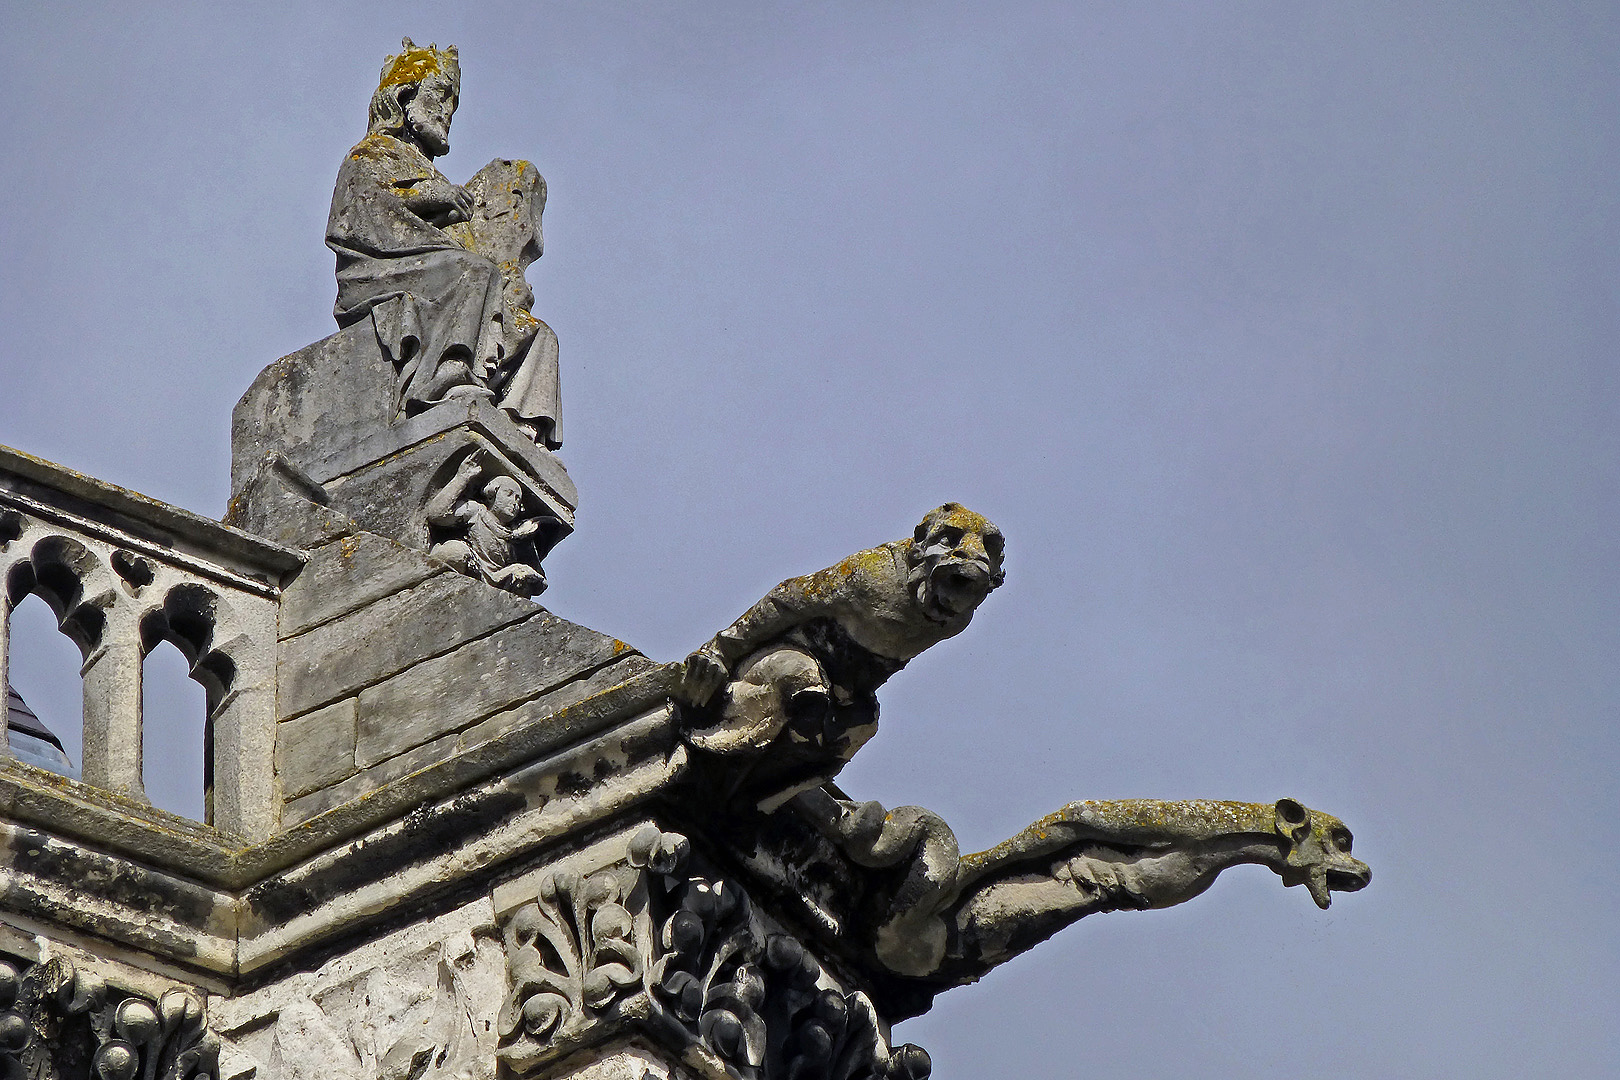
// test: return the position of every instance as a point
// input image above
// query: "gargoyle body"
(789, 688)
(952, 918)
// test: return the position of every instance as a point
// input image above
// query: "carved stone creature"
(800, 668)
(488, 538)
(954, 918)
(438, 268)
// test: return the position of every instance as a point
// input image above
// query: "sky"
(1278, 338)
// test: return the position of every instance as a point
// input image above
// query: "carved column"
(244, 796)
(5, 662)
(112, 712)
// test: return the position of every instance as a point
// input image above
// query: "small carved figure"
(453, 257)
(496, 542)
(801, 667)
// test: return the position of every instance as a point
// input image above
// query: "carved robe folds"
(461, 325)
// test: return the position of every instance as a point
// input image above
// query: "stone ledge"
(34, 797)
(166, 527)
(186, 896)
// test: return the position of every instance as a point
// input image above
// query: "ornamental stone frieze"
(450, 833)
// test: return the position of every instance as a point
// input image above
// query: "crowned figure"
(438, 268)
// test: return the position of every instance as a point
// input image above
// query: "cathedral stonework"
(450, 834)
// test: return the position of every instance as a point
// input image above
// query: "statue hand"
(702, 676)
(461, 205)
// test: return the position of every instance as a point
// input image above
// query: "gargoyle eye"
(1342, 840)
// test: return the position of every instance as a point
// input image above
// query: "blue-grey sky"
(1279, 339)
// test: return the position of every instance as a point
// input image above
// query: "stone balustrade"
(123, 574)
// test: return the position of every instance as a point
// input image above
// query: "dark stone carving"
(11, 527)
(57, 1023)
(438, 268)
(662, 941)
(135, 571)
(755, 998)
(787, 692)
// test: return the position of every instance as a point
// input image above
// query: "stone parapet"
(124, 573)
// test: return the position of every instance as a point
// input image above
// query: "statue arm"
(447, 506)
(434, 199)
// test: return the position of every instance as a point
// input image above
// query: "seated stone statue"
(489, 538)
(438, 268)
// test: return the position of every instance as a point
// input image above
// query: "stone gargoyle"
(782, 698)
(950, 918)
(788, 691)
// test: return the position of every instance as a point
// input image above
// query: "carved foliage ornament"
(710, 970)
(57, 1022)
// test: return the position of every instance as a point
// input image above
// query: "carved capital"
(659, 939)
(58, 1022)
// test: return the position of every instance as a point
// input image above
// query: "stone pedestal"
(329, 414)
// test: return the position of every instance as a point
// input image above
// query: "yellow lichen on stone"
(411, 67)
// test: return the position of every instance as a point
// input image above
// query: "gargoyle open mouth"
(1348, 880)
(957, 587)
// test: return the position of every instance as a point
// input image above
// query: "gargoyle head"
(1318, 855)
(955, 559)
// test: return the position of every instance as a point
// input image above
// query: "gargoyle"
(788, 689)
(951, 919)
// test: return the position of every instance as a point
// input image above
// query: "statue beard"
(431, 135)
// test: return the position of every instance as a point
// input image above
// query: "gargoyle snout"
(1318, 853)
(1349, 875)
(961, 584)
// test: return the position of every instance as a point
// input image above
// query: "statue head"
(955, 559)
(416, 97)
(504, 498)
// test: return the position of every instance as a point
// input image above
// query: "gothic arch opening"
(174, 734)
(46, 717)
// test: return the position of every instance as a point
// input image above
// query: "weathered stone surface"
(316, 750)
(388, 492)
(453, 691)
(348, 574)
(340, 657)
(313, 405)
(270, 507)
(58, 882)
(548, 705)
(427, 988)
(629, 1063)
(368, 780)
(458, 841)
